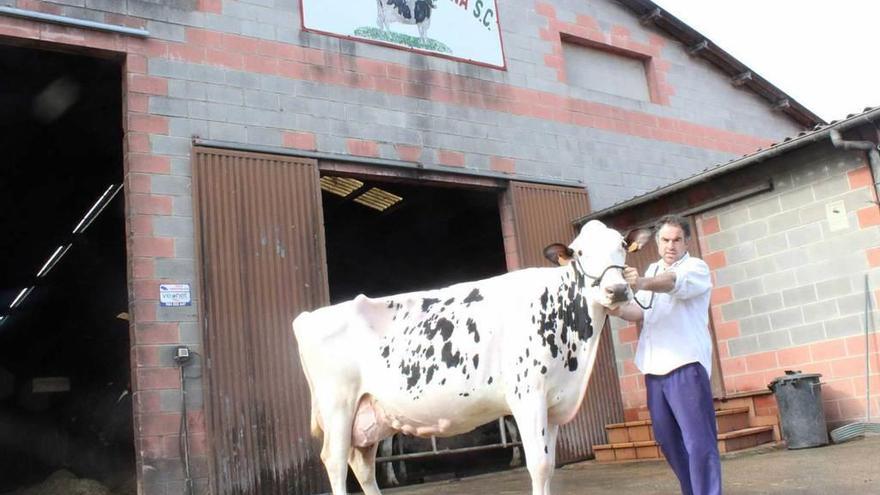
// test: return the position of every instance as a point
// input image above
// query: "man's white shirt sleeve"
(675, 328)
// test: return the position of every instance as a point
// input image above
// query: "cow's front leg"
(552, 433)
(531, 418)
(363, 464)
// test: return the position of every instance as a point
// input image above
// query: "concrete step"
(727, 420)
(728, 441)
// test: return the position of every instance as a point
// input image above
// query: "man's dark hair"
(675, 221)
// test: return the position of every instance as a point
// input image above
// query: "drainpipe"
(873, 156)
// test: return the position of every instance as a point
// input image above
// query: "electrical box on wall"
(835, 212)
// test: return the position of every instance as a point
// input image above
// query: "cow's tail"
(315, 424)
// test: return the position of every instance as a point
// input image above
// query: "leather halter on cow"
(442, 362)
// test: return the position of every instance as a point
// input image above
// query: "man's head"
(673, 235)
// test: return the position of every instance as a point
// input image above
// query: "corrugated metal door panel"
(261, 246)
(543, 215)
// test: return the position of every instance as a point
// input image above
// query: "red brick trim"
(210, 6)
(500, 164)
(408, 153)
(300, 140)
(360, 147)
(268, 57)
(721, 295)
(450, 158)
(869, 217)
(587, 31)
(715, 260)
(860, 177)
(710, 226)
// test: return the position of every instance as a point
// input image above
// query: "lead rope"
(650, 301)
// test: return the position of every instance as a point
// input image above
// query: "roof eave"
(698, 45)
(868, 117)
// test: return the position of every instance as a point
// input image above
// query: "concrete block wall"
(789, 292)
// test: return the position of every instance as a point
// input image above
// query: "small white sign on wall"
(461, 29)
(835, 211)
(173, 295)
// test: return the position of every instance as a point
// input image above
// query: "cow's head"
(600, 254)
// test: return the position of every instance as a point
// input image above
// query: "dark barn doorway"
(65, 401)
(386, 238)
(429, 238)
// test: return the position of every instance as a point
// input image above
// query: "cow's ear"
(558, 254)
(636, 239)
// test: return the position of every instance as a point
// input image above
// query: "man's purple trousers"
(684, 425)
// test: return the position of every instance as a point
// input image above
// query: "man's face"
(671, 243)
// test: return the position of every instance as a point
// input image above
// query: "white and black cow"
(442, 362)
(416, 12)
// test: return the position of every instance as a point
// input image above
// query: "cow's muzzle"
(617, 293)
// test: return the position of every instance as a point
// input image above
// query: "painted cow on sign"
(442, 362)
(416, 12)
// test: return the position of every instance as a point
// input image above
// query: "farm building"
(790, 234)
(186, 176)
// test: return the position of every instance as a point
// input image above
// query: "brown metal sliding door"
(542, 215)
(260, 240)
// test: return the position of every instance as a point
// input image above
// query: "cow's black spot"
(527, 352)
(427, 303)
(526, 373)
(429, 352)
(473, 297)
(476, 361)
(386, 351)
(422, 10)
(472, 328)
(390, 304)
(430, 373)
(489, 382)
(545, 449)
(445, 327)
(545, 297)
(448, 357)
(543, 370)
(572, 363)
(543, 432)
(401, 7)
(443, 382)
(551, 342)
(449, 301)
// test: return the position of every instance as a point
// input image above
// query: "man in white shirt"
(675, 354)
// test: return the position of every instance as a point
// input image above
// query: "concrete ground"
(851, 468)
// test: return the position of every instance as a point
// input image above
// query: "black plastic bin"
(799, 396)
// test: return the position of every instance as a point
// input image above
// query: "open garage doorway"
(65, 401)
(386, 238)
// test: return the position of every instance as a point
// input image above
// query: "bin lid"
(793, 376)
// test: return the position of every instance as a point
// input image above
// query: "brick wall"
(789, 292)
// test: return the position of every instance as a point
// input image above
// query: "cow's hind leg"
(531, 418)
(363, 464)
(337, 445)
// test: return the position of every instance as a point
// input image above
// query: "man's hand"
(627, 311)
(631, 275)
